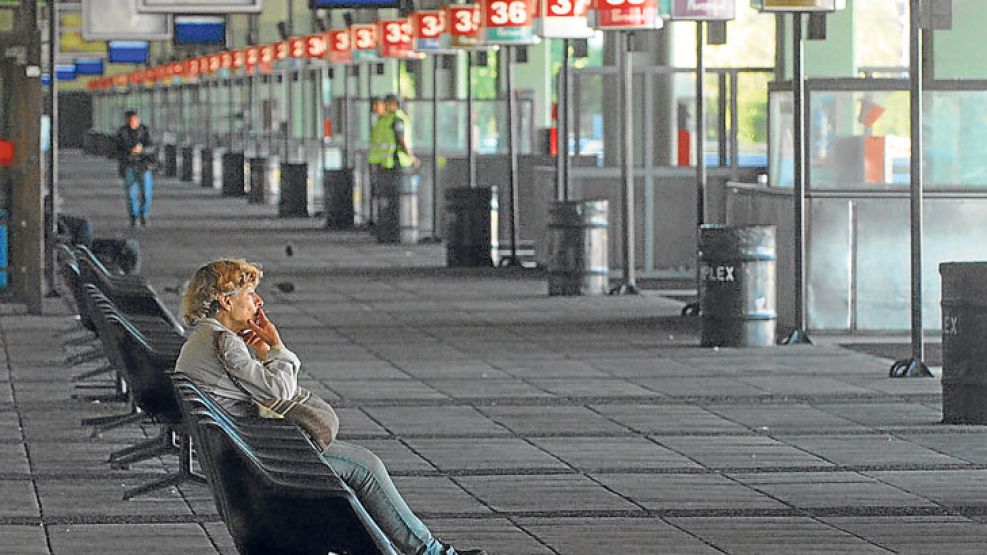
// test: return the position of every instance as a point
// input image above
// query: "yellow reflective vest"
(384, 143)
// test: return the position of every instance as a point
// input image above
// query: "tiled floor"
(510, 420)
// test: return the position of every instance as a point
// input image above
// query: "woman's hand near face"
(260, 346)
(264, 330)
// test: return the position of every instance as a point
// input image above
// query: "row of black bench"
(270, 484)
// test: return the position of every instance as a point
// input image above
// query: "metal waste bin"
(206, 172)
(737, 285)
(294, 191)
(170, 161)
(233, 174)
(467, 232)
(397, 207)
(187, 171)
(257, 167)
(339, 198)
(578, 243)
(964, 351)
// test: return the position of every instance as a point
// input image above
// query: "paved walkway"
(513, 421)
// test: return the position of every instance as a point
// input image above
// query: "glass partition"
(858, 135)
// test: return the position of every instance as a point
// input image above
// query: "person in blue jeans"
(249, 362)
(135, 162)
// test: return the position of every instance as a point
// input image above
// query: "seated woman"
(223, 308)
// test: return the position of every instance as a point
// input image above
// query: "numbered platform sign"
(340, 46)
(703, 10)
(395, 38)
(282, 50)
(215, 62)
(427, 28)
(462, 26)
(508, 22)
(363, 41)
(615, 15)
(251, 56)
(316, 46)
(564, 19)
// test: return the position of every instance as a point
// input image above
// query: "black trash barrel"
(258, 179)
(964, 351)
(397, 207)
(233, 174)
(737, 285)
(339, 198)
(467, 232)
(188, 157)
(294, 191)
(577, 253)
(170, 161)
(206, 174)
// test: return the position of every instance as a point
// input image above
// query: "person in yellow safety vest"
(390, 142)
(375, 155)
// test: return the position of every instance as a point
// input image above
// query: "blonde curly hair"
(220, 277)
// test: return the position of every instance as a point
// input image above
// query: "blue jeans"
(364, 472)
(138, 193)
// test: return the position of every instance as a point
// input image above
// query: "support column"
(27, 198)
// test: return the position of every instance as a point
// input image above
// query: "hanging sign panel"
(615, 15)
(462, 26)
(395, 39)
(128, 51)
(316, 46)
(200, 6)
(508, 22)
(66, 72)
(363, 38)
(703, 10)
(340, 51)
(89, 66)
(251, 56)
(119, 20)
(564, 19)
(200, 30)
(802, 5)
(282, 50)
(427, 28)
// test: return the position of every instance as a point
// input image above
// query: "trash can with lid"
(737, 285)
(467, 229)
(339, 198)
(964, 351)
(294, 190)
(577, 248)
